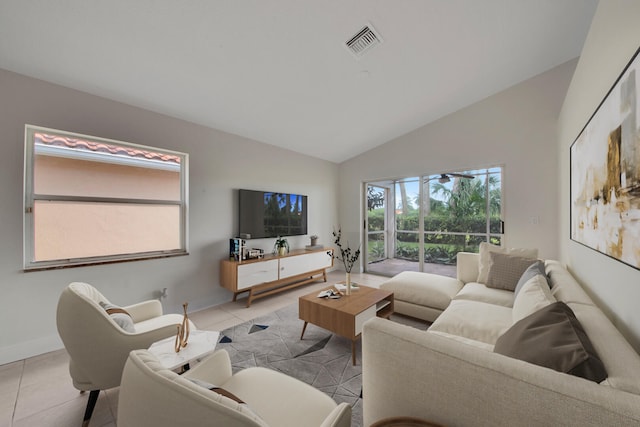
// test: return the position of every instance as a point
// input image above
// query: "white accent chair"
(98, 348)
(151, 395)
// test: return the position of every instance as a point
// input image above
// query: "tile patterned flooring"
(37, 392)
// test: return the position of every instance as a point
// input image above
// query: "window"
(464, 209)
(93, 200)
(430, 218)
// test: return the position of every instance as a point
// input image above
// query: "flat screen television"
(269, 214)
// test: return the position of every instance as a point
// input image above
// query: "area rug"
(321, 359)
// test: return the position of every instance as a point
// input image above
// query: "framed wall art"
(605, 173)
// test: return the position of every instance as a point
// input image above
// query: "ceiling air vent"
(365, 40)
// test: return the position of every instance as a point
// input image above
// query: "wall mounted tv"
(268, 214)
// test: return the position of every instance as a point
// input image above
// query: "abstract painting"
(605, 173)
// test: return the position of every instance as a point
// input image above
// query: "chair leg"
(91, 403)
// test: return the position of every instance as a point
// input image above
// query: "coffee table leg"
(304, 328)
(353, 352)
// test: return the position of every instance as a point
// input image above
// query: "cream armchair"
(98, 347)
(153, 396)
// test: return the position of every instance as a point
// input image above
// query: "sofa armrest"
(467, 267)
(339, 417)
(144, 310)
(408, 372)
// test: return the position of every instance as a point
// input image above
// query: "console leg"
(250, 298)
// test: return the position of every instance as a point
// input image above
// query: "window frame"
(30, 198)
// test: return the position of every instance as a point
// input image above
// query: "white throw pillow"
(485, 257)
(120, 316)
(534, 295)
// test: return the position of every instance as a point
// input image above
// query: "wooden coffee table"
(346, 315)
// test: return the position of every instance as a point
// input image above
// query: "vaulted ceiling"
(278, 71)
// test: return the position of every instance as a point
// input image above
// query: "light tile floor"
(38, 391)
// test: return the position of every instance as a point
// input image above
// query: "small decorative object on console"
(182, 337)
(255, 253)
(281, 247)
(237, 249)
(314, 240)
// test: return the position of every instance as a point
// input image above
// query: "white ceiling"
(278, 71)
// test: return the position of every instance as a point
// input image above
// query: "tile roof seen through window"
(81, 144)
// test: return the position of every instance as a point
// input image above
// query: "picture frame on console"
(605, 173)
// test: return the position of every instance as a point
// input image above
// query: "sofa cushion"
(284, 391)
(534, 295)
(564, 286)
(475, 291)
(534, 269)
(429, 290)
(485, 260)
(506, 270)
(474, 320)
(474, 343)
(554, 338)
(428, 314)
(468, 264)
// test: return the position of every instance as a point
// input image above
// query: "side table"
(200, 344)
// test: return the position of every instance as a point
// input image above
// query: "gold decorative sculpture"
(182, 336)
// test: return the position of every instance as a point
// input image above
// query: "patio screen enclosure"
(421, 223)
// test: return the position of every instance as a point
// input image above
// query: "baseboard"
(26, 349)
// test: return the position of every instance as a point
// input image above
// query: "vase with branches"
(346, 256)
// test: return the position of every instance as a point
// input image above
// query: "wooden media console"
(273, 273)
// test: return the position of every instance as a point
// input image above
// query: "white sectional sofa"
(451, 375)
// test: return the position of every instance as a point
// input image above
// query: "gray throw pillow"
(485, 257)
(119, 315)
(554, 338)
(533, 270)
(505, 270)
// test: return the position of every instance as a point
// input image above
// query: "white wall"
(613, 38)
(515, 128)
(219, 163)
